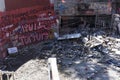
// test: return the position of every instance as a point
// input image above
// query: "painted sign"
(26, 26)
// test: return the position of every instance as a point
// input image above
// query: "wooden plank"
(6, 72)
(53, 72)
(1, 76)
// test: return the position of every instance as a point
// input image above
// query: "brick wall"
(15, 4)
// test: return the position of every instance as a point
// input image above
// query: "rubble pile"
(93, 57)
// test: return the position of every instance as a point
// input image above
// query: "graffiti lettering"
(31, 27)
(26, 26)
(16, 16)
(25, 40)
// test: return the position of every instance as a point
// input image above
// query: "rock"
(116, 51)
(85, 39)
(100, 37)
(117, 19)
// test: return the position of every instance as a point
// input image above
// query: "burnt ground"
(77, 59)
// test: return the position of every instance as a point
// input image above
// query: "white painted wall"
(2, 5)
(52, 1)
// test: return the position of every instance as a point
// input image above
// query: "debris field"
(93, 57)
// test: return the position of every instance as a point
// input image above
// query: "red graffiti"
(26, 26)
(32, 38)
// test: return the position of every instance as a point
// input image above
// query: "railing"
(6, 75)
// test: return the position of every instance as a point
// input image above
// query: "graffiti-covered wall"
(83, 7)
(24, 26)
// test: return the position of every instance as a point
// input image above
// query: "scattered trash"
(12, 50)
